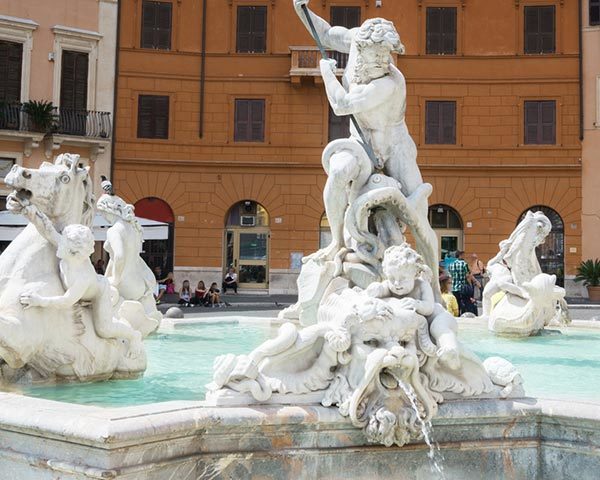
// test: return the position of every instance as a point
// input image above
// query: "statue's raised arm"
(334, 38)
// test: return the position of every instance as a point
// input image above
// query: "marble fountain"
(366, 376)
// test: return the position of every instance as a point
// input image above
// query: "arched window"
(448, 227)
(158, 253)
(324, 232)
(246, 245)
(551, 254)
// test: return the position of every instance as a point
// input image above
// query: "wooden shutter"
(251, 29)
(156, 25)
(449, 31)
(440, 122)
(153, 116)
(448, 123)
(441, 30)
(74, 80)
(433, 28)
(11, 60)
(594, 12)
(149, 12)
(348, 17)
(249, 120)
(540, 122)
(540, 29)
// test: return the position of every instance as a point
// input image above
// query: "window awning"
(11, 225)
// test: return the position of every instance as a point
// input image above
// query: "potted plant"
(40, 115)
(588, 272)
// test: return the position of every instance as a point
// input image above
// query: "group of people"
(462, 284)
(209, 297)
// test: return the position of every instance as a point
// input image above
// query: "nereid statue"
(519, 299)
(58, 318)
(373, 339)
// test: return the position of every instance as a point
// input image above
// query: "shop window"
(339, 127)
(324, 232)
(540, 29)
(153, 116)
(249, 120)
(157, 253)
(540, 122)
(252, 29)
(441, 30)
(440, 122)
(6, 164)
(156, 25)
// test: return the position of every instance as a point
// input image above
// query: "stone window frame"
(78, 40)
(558, 121)
(422, 5)
(135, 112)
(588, 23)
(20, 30)
(231, 120)
(458, 126)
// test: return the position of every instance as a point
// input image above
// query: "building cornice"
(16, 22)
(76, 32)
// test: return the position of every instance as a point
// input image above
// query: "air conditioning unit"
(247, 220)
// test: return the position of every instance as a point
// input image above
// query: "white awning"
(11, 225)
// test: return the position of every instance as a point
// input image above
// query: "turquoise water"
(180, 364)
(553, 365)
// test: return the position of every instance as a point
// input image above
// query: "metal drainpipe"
(202, 69)
(115, 95)
(581, 130)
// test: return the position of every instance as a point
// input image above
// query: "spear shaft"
(363, 140)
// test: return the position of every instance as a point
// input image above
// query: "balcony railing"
(83, 122)
(67, 121)
(305, 61)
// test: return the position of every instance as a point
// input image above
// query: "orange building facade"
(255, 201)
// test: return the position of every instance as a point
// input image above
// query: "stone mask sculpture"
(520, 300)
(372, 338)
(65, 339)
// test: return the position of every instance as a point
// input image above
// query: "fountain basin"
(525, 438)
(521, 439)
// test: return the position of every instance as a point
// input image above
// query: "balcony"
(67, 126)
(305, 63)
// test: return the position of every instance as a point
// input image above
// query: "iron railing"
(67, 121)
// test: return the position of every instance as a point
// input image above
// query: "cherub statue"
(81, 282)
(407, 285)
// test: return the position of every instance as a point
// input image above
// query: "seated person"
(447, 295)
(200, 295)
(230, 281)
(165, 285)
(81, 282)
(185, 294)
(214, 295)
